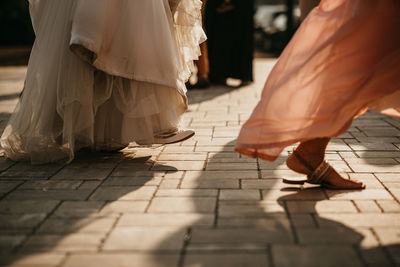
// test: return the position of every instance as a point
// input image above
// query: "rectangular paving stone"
(49, 195)
(82, 225)
(132, 181)
(125, 206)
(388, 177)
(183, 205)
(378, 154)
(182, 157)
(227, 259)
(78, 208)
(241, 236)
(6, 187)
(35, 259)
(215, 149)
(242, 194)
(367, 206)
(303, 221)
(315, 255)
(82, 174)
(231, 166)
(27, 206)
(9, 242)
(50, 185)
(388, 236)
(27, 170)
(261, 184)
(145, 239)
(360, 219)
(222, 174)
(5, 163)
(366, 194)
(179, 165)
(122, 260)
(314, 194)
(187, 193)
(248, 208)
(324, 206)
(209, 183)
(277, 222)
(157, 220)
(326, 236)
(375, 167)
(20, 221)
(370, 181)
(79, 242)
(375, 257)
(389, 205)
(170, 184)
(373, 146)
(124, 193)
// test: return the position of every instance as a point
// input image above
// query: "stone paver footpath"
(198, 203)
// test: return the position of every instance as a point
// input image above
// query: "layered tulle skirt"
(344, 59)
(102, 74)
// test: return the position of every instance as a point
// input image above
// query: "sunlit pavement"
(198, 203)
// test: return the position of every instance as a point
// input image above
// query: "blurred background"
(274, 20)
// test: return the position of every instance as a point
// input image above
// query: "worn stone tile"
(375, 257)
(9, 242)
(315, 255)
(360, 219)
(388, 177)
(170, 184)
(122, 260)
(209, 183)
(182, 157)
(323, 206)
(183, 205)
(388, 235)
(124, 193)
(25, 170)
(373, 146)
(231, 259)
(370, 181)
(281, 195)
(5, 163)
(241, 235)
(378, 154)
(261, 184)
(303, 221)
(187, 193)
(248, 208)
(6, 187)
(79, 242)
(78, 209)
(125, 206)
(367, 206)
(215, 149)
(226, 248)
(179, 165)
(374, 167)
(389, 205)
(20, 221)
(222, 174)
(326, 236)
(49, 195)
(27, 206)
(231, 166)
(365, 194)
(81, 225)
(50, 185)
(82, 174)
(131, 172)
(35, 259)
(145, 239)
(273, 222)
(132, 181)
(161, 220)
(242, 194)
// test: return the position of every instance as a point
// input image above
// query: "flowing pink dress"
(344, 59)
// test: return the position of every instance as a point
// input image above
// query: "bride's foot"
(319, 172)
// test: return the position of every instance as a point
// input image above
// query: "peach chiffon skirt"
(344, 59)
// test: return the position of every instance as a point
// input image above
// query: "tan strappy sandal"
(318, 175)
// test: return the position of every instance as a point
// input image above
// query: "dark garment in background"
(230, 39)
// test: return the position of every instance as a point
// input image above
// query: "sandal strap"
(320, 173)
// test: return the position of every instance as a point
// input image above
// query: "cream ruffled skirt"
(344, 59)
(102, 74)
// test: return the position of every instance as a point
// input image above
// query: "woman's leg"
(313, 152)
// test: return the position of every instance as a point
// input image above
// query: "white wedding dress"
(103, 73)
